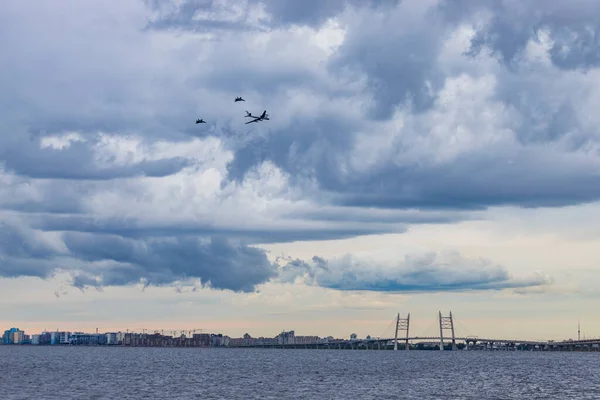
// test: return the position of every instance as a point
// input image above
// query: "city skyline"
(402, 337)
(16, 336)
(415, 156)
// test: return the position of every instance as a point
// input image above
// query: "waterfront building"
(60, 337)
(286, 338)
(13, 336)
(112, 338)
(88, 339)
(306, 340)
(35, 339)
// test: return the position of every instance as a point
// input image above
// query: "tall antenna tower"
(578, 331)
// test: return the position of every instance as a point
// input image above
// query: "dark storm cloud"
(316, 12)
(217, 262)
(181, 15)
(528, 178)
(23, 254)
(109, 260)
(77, 162)
(16, 241)
(289, 232)
(416, 273)
(573, 27)
(29, 267)
(357, 214)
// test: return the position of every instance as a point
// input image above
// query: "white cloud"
(60, 141)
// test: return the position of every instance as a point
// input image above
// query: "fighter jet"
(264, 116)
(238, 99)
(200, 121)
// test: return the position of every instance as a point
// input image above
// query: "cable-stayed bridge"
(446, 340)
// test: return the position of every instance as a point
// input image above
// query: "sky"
(420, 156)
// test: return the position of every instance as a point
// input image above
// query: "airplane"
(200, 121)
(258, 119)
(238, 99)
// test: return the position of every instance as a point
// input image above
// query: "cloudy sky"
(420, 156)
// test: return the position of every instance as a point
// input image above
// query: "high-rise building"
(286, 337)
(112, 338)
(17, 337)
(13, 336)
(60, 337)
(35, 339)
(44, 338)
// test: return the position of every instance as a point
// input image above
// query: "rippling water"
(164, 373)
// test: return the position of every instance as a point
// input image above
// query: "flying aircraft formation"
(264, 116)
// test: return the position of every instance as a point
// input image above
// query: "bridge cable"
(463, 328)
(386, 329)
(426, 332)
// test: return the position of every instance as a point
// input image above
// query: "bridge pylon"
(448, 324)
(402, 324)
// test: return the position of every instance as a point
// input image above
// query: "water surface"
(40, 372)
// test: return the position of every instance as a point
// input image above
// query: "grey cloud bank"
(422, 112)
(423, 272)
(98, 260)
(110, 260)
(77, 162)
(218, 263)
